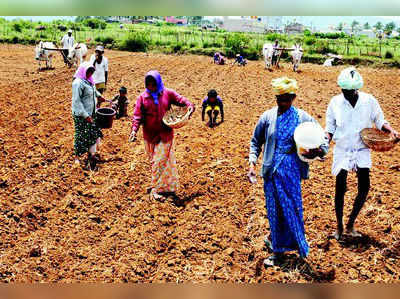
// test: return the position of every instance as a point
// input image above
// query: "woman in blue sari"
(282, 171)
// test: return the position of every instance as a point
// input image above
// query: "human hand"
(191, 110)
(312, 153)
(252, 174)
(132, 137)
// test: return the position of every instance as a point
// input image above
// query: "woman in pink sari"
(150, 108)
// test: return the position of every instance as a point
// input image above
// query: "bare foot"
(352, 232)
(156, 196)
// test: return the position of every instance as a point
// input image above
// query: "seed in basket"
(377, 140)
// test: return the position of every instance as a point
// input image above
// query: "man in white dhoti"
(349, 113)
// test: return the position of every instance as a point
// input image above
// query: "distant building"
(121, 19)
(294, 28)
(244, 24)
(274, 23)
(176, 20)
(368, 32)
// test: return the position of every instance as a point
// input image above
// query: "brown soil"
(60, 223)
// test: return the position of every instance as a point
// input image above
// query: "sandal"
(273, 260)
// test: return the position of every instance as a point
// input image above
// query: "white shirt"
(67, 41)
(99, 75)
(346, 123)
(329, 61)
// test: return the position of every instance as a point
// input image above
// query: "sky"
(320, 22)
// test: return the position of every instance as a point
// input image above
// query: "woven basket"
(377, 140)
(176, 117)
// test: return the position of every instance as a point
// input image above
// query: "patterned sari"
(283, 190)
(164, 174)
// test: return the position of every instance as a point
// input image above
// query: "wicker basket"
(176, 117)
(377, 140)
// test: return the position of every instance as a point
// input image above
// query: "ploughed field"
(60, 223)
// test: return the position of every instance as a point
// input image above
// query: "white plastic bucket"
(308, 135)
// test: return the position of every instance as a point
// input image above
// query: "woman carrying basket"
(150, 109)
(348, 113)
(282, 171)
(84, 101)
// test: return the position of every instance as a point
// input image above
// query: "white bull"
(43, 54)
(77, 53)
(268, 51)
(297, 53)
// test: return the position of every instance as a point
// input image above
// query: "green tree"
(390, 27)
(80, 19)
(367, 26)
(354, 25)
(340, 26)
(378, 26)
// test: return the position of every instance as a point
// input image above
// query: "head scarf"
(81, 73)
(349, 79)
(160, 86)
(284, 85)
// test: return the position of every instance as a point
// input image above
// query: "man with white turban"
(347, 115)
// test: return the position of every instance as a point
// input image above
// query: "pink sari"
(164, 174)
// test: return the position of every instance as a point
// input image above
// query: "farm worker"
(84, 101)
(240, 60)
(150, 109)
(67, 42)
(329, 62)
(348, 113)
(100, 62)
(219, 59)
(276, 52)
(212, 105)
(282, 171)
(120, 103)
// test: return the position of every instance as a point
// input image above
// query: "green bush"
(97, 39)
(333, 35)
(95, 23)
(136, 42)
(309, 40)
(14, 39)
(236, 42)
(178, 47)
(108, 40)
(251, 54)
(17, 27)
(388, 55)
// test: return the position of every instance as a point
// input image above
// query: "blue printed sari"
(283, 190)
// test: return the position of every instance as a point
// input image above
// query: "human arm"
(221, 107)
(106, 70)
(203, 110)
(77, 105)
(179, 100)
(256, 143)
